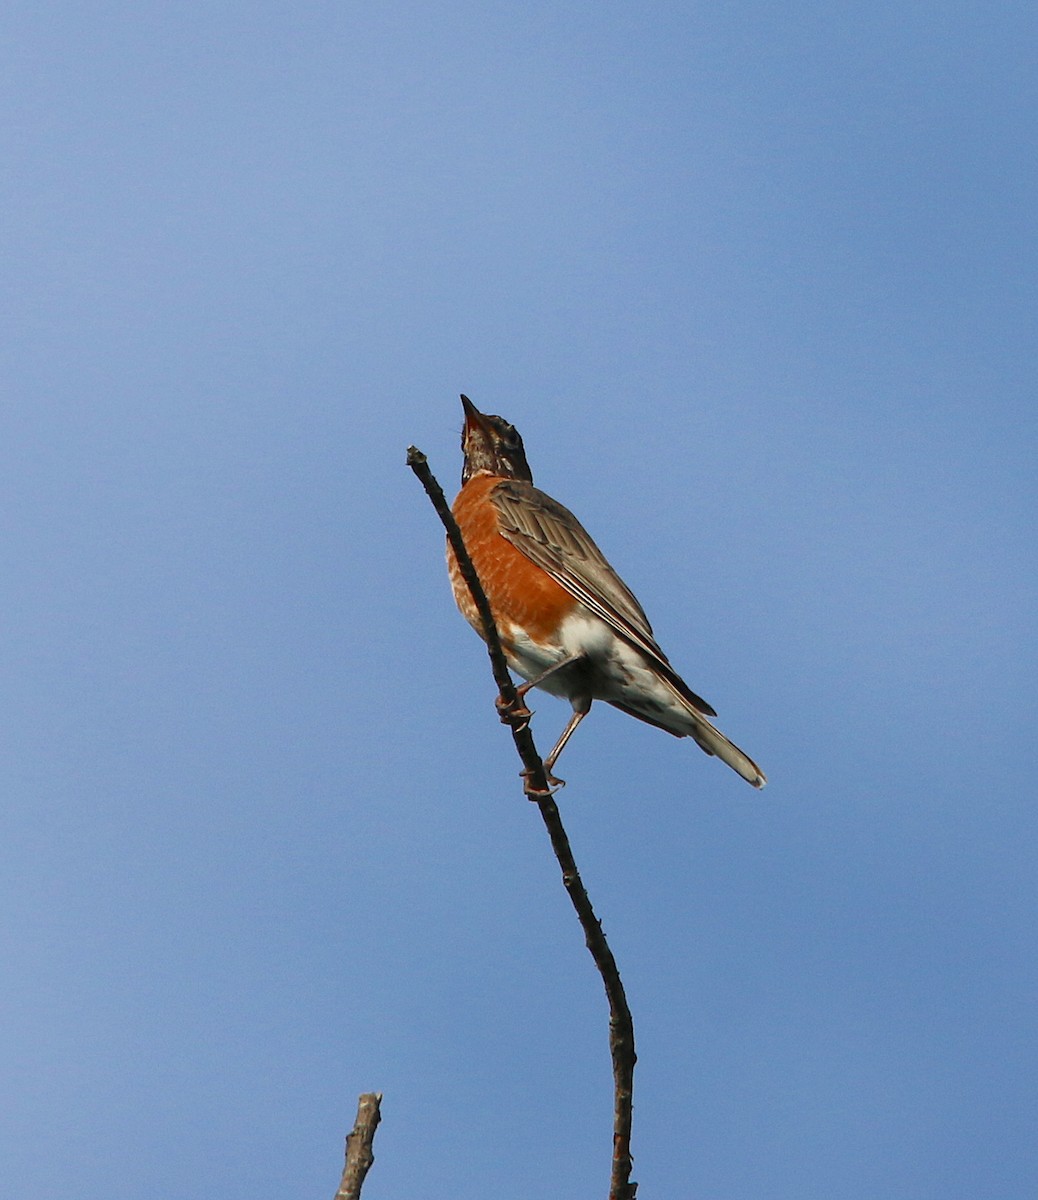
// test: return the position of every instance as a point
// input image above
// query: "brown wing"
(552, 537)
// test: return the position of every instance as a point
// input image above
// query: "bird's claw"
(536, 793)
(513, 712)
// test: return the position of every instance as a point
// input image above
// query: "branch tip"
(359, 1155)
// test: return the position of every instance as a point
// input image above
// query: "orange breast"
(521, 595)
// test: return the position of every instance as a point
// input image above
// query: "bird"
(568, 623)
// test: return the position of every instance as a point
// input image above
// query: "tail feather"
(708, 737)
(713, 741)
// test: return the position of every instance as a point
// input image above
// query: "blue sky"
(758, 288)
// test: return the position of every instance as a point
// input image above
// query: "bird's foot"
(536, 793)
(513, 712)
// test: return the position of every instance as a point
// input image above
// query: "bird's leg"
(580, 711)
(510, 713)
(578, 715)
(532, 683)
(552, 780)
(517, 715)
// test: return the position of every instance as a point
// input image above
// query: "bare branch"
(536, 779)
(358, 1146)
(621, 1026)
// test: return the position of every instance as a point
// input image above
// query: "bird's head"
(491, 446)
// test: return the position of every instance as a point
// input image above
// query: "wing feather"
(552, 537)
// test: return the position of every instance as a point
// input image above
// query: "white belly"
(610, 669)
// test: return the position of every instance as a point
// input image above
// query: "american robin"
(568, 623)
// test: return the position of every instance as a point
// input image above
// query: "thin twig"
(621, 1027)
(536, 779)
(358, 1146)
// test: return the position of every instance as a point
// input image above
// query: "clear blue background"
(757, 285)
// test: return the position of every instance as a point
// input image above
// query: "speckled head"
(491, 446)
